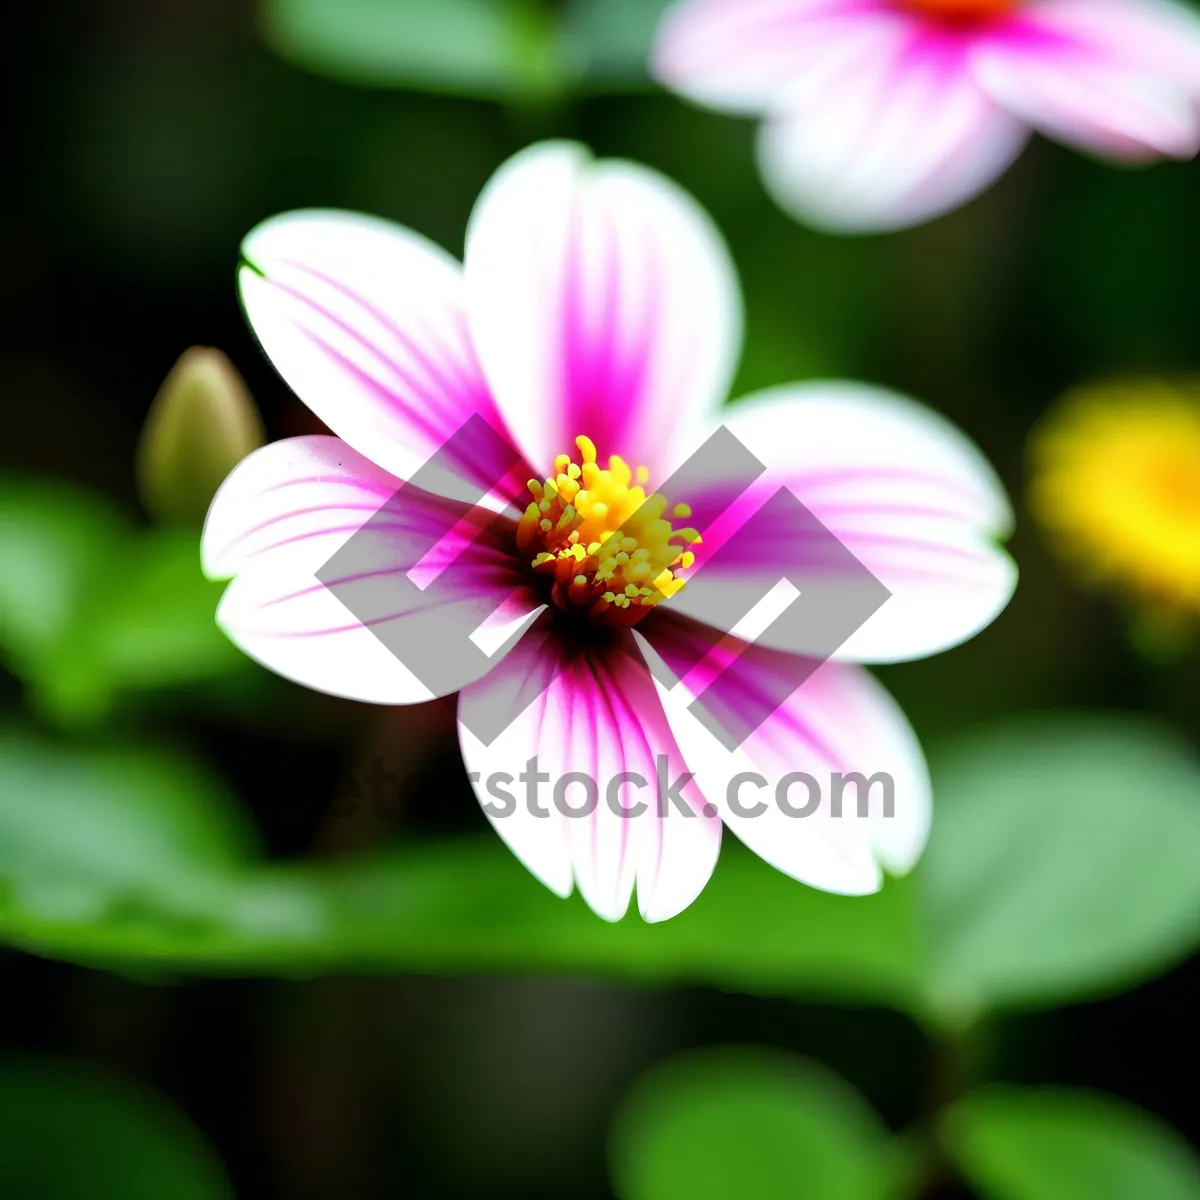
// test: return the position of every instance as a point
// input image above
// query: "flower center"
(609, 549)
(960, 12)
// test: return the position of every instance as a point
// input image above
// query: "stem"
(954, 1059)
(543, 79)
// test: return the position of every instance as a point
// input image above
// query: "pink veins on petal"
(879, 114)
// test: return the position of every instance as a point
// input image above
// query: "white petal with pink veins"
(899, 487)
(290, 508)
(739, 55)
(838, 723)
(1156, 36)
(365, 320)
(1121, 80)
(602, 302)
(592, 711)
(298, 499)
(890, 131)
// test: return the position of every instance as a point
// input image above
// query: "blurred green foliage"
(72, 1132)
(93, 610)
(1063, 859)
(517, 50)
(156, 872)
(749, 1122)
(90, 835)
(1023, 1144)
(1062, 866)
(57, 541)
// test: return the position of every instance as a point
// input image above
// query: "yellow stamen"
(605, 544)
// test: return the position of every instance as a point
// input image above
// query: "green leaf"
(747, 1122)
(1062, 865)
(470, 907)
(149, 623)
(1063, 861)
(55, 542)
(94, 834)
(491, 49)
(611, 40)
(482, 48)
(123, 856)
(71, 1132)
(1015, 1144)
(91, 609)
(741, 933)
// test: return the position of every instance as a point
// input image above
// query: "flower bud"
(202, 423)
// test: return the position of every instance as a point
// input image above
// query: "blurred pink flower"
(881, 114)
(596, 299)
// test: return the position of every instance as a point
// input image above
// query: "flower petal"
(602, 302)
(591, 711)
(738, 55)
(1119, 79)
(365, 320)
(890, 131)
(1155, 36)
(313, 506)
(297, 500)
(837, 726)
(900, 488)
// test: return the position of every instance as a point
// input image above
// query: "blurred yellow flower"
(1116, 487)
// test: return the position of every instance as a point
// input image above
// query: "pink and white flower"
(597, 315)
(882, 114)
